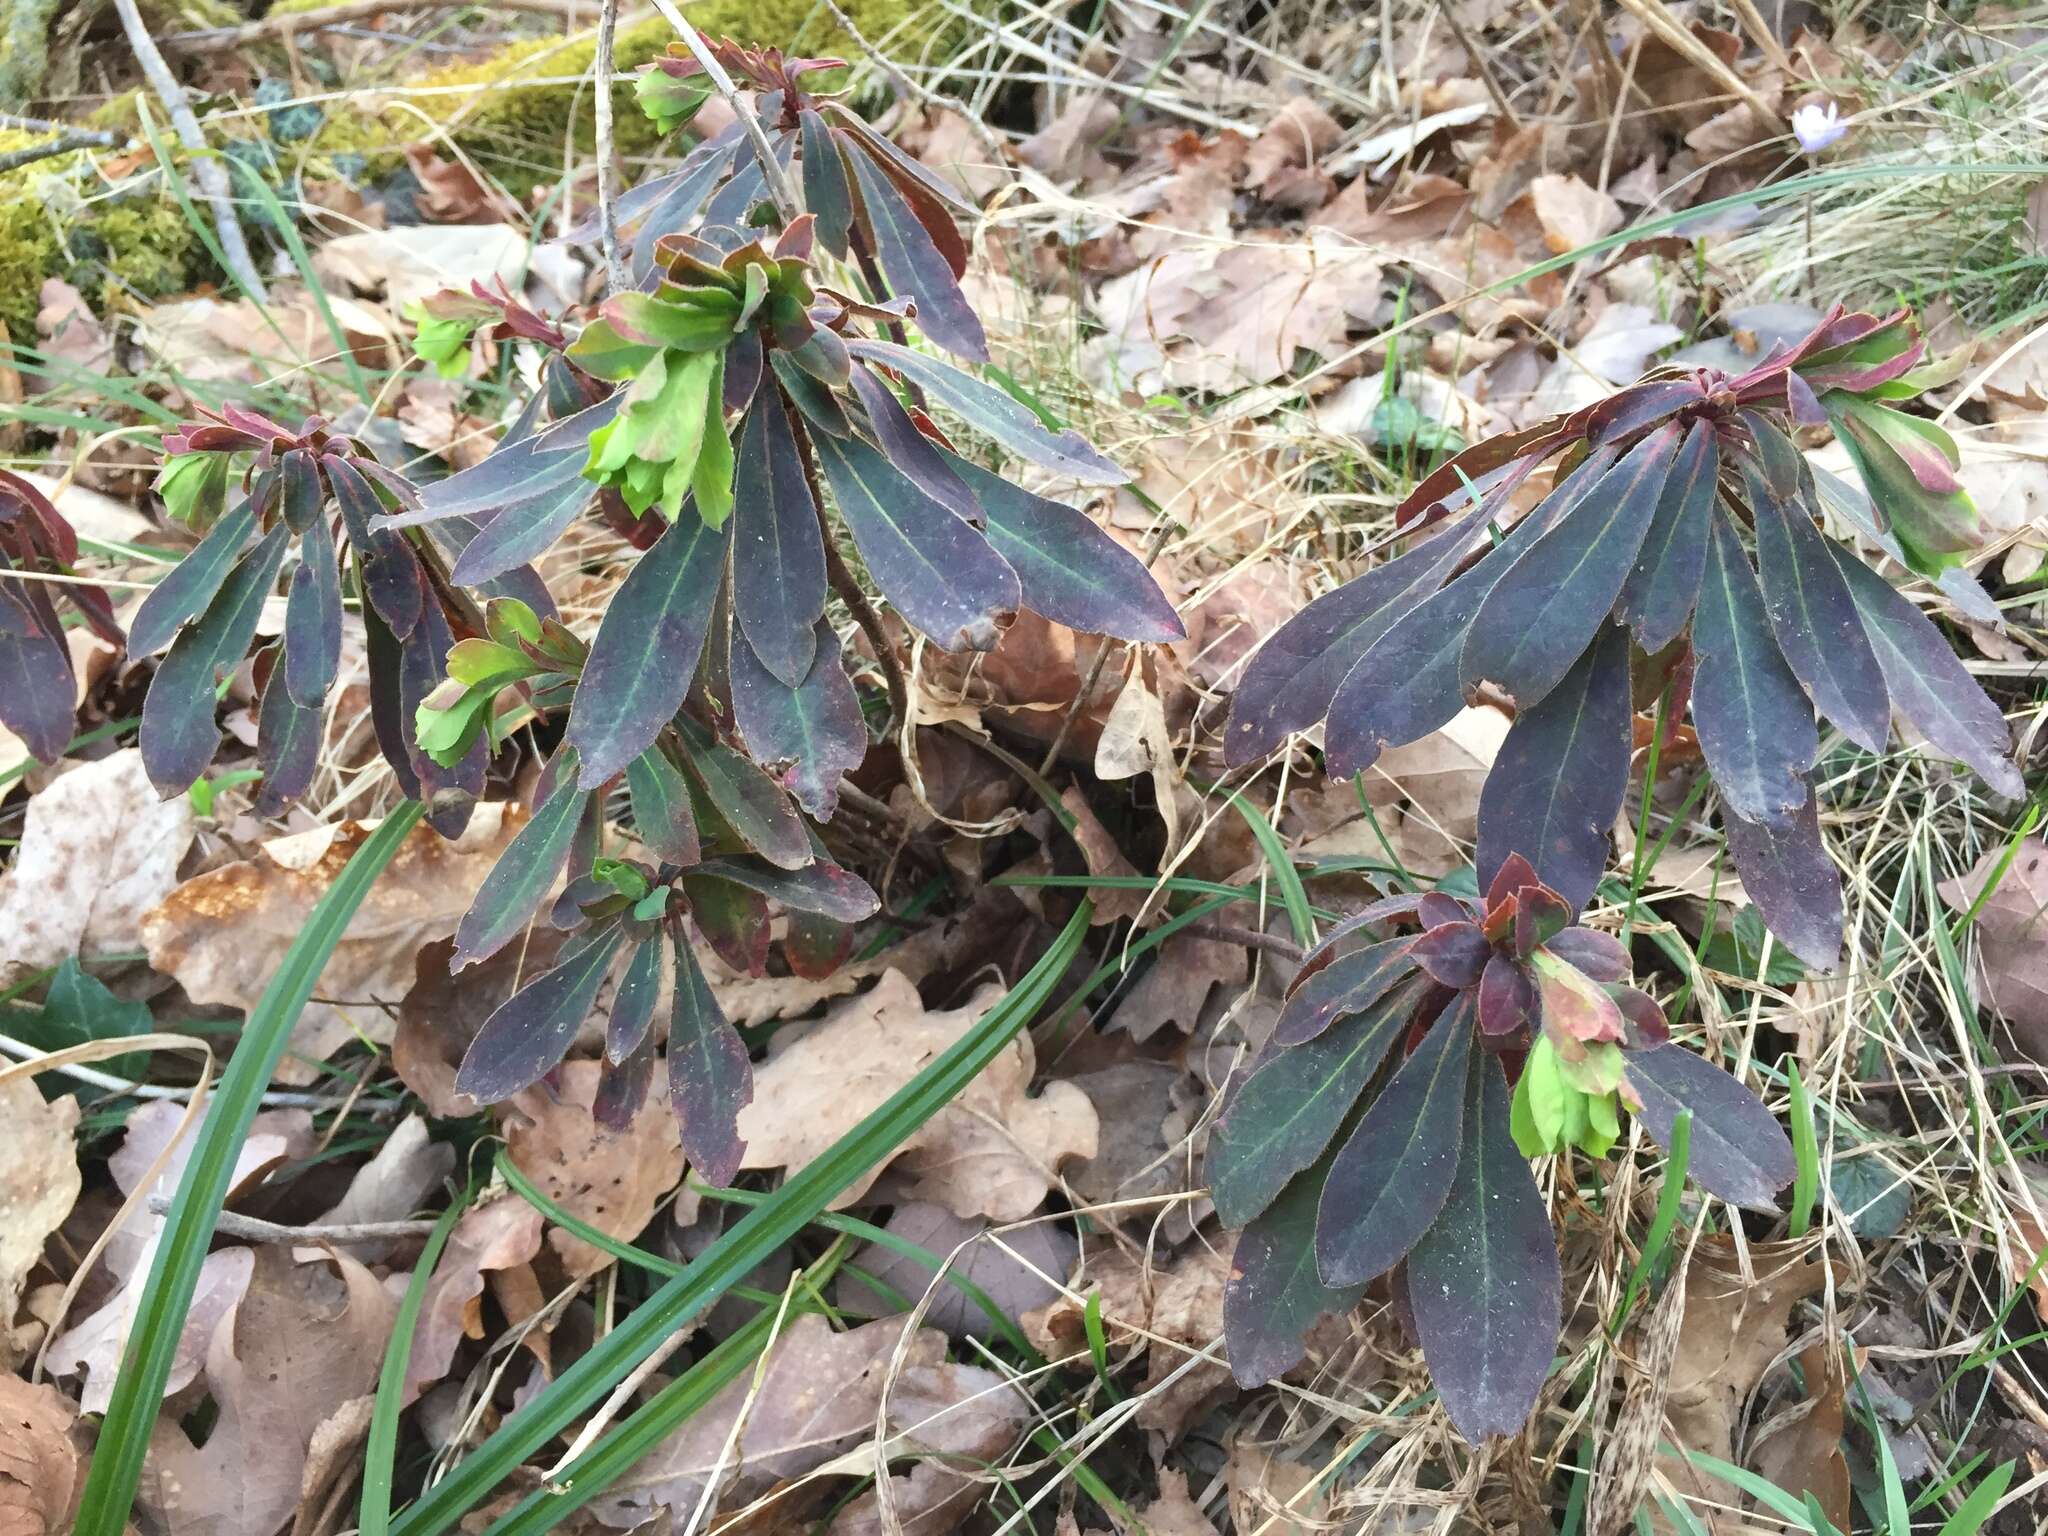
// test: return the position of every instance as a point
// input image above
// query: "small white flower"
(1818, 126)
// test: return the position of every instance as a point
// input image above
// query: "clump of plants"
(752, 401)
(1678, 563)
(1387, 1125)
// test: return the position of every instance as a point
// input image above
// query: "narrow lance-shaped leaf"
(300, 495)
(1284, 1114)
(939, 572)
(1928, 685)
(1659, 594)
(820, 887)
(529, 1033)
(189, 585)
(778, 557)
(750, 802)
(1557, 782)
(642, 989)
(1274, 1295)
(312, 618)
(178, 736)
(525, 529)
(920, 459)
(816, 729)
(1755, 724)
(709, 1077)
(1738, 1151)
(287, 745)
(1391, 1178)
(37, 690)
(1484, 1283)
(987, 409)
(645, 654)
(825, 193)
(1349, 984)
(390, 579)
(524, 874)
(733, 920)
(661, 807)
(1289, 683)
(1815, 620)
(1069, 569)
(1786, 871)
(1541, 615)
(915, 266)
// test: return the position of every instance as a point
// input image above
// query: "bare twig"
(251, 1230)
(780, 192)
(284, 24)
(1249, 938)
(1479, 62)
(212, 179)
(63, 144)
(607, 186)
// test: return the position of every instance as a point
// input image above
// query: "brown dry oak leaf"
(1172, 1310)
(39, 1183)
(224, 934)
(611, 1180)
(818, 1394)
(488, 1239)
(956, 1419)
(393, 1184)
(2012, 938)
(1017, 1268)
(307, 1339)
(994, 1151)
(98, 850)
(41, 1469)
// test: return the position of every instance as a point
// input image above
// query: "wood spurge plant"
(1678, 561)
(1378, 1132)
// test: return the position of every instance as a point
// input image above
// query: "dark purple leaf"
(1544, 611)
(906, 169)
(1454, 954)
(1340, 939)
(917, 456)
(454, 535)
(633, 1005)
(816, 946)
(1281, 1117)
(312, 619)
(778, 558)
(389, 575)
(1507, 997)
(1289, 684)
(645, 654)
(520, 881)
(1347, 985)
(1755, 724)
(394, 727)
(1620, 415)
(817, 730)
(525, 529)
(37, 690)
(1659, 594)
(1600, 956)
(622, 1087)
(826, 196)
(1390, 1179)
(1540, 916)
(819, 887)
(1437, 908)
(816, 403)
(937, 571)
(1786, 871)
(300, 494)
(1815, 620)
(915, 265)
(987, 409)
(190, 584)
(178, 736)
(710, 1079)
(1739, 1152)
(661, 807)
(682, 194)
(1557, 782)
(287, 745)
(751, 803)
(1069, 569)
(1484, 1282)
(1642, 1020)
(450, 793)
(1928, 685)
(529, 1033)
(1274, 1295)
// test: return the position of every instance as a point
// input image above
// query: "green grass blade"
(382, 1449)
(1676, 1159)
(188, 1230)
(1293, 895)
(1971, 1514)
(1806, 1149)
(728, 1260)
